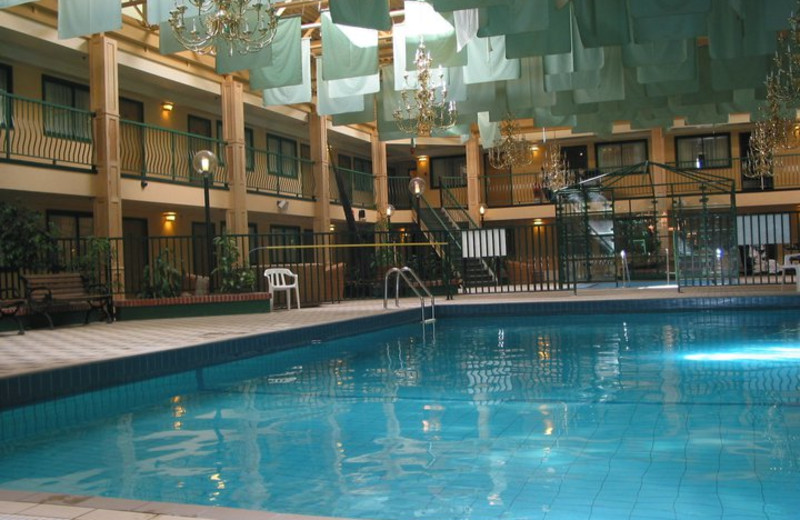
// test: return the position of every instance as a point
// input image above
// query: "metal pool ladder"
(401, 273)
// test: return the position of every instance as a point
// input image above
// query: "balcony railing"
(522, 189)
(271, 172)
(360, 188)
(399, 194)
(152, 153)
(514, 189)
(35, 132)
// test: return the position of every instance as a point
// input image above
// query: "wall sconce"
(167, 106)
(332, 227)
(482, 211)
(422, 158)
(282, 205)
(170, 216)
(537, 222)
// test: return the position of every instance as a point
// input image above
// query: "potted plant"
(233, 277)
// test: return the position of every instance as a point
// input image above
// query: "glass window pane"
(288, 159)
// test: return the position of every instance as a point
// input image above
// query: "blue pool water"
(643, 416)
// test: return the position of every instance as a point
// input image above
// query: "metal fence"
(752, 249)
(35, 132)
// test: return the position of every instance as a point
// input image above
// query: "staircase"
(438, 225)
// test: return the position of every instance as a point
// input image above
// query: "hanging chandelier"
(208, 26)
(426, 107)
(556, 174)
(509, 151)
(777, 129)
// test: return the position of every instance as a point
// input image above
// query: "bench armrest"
(39, 295)
(98, 290)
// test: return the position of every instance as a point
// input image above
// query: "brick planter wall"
(185, 306)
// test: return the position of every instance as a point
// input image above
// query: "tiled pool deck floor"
(41, 350)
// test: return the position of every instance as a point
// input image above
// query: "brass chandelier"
(240, 26)
(509, 151)
(777, 128)
(556, 174)
(426, 107)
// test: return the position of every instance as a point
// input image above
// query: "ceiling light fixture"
(241, 26)
(556, 174)
(509, 151)
(426, 107)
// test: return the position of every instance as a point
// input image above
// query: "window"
(249, 145)
(71, 229)
(611, 156)
(703, 151)
(282, 156)
(453, 170)
(66, 121)
(286, 238)
(357, 164)
(5, 101)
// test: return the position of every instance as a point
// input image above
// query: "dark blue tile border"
(618, 306)
(35, 387)
(31, 388)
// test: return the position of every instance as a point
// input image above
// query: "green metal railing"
(153, 153)
(278, 174)
(360, 188)
(399, 194)
(454, 202)
(35, 132)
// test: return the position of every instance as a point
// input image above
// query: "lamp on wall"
(242, 26)
(282, 205)
(482, 211)
(170, 216)
(167, 106)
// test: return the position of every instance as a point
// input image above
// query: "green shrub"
(233, 277)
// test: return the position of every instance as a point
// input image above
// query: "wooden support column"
(235, 155)
(318, 134)
(474, 170)
(380, 169)
(104, 102)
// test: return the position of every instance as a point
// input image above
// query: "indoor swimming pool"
(606, 416)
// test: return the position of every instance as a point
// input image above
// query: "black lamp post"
(205, 164)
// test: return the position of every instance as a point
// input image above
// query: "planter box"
(186, 306)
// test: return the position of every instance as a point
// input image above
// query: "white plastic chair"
(282, 279)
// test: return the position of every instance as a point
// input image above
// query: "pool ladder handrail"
(401, 273)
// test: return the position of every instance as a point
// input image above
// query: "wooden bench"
(61, 292)
(11, 306)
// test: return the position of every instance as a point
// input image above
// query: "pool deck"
(42, 349)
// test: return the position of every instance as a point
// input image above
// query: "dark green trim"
(150, 312)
